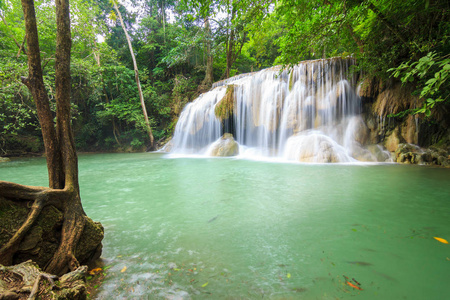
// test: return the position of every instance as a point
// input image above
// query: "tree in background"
(136, 74)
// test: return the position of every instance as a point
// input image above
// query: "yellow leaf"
(205, 284)
(94, 271)
(288, 275)
(124, 269)
(441, 240)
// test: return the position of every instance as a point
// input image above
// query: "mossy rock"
(42, 240)
(225, 107)
(89, 246)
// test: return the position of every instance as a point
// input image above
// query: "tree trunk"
(209, 77)
(230, 44)
(59, 145)
(136, 75)
(35, 84)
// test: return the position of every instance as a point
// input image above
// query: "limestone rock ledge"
(412, 154)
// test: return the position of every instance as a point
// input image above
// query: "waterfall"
(308, 113)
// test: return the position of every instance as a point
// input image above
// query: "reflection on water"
(226, 229)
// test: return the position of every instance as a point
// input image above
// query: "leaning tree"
(63, 192)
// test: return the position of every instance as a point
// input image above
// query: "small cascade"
(309, 113)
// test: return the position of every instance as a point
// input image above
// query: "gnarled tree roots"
(27, 280)
(65, 203)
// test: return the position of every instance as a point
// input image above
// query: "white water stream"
(309, 114)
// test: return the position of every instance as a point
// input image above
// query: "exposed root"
(64, 258)
(26, 278)
(8, 250)
(20, 192)
(74, 219)
(35, 289)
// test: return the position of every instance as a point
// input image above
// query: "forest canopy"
(181, 47)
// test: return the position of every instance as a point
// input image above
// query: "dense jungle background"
(182, 47)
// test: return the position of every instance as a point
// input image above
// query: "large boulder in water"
(315, 147)
(225, 146)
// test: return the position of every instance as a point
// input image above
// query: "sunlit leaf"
(123, 269)
(441, 240)
(288, 275)
(354, 286)
(205, 284)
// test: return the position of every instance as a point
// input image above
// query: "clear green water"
(235, 229)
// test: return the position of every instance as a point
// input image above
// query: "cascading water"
(310, 113)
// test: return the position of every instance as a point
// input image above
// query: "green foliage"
(409, 38)
(431, 73)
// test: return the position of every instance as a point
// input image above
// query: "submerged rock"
(225, 146)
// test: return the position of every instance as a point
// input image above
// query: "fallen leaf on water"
(95, 271)
(354, 286)
(124, 269)
(441, 240)
(356, 281)
(205, 284)
(288, 275)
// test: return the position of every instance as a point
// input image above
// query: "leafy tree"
(63, 191)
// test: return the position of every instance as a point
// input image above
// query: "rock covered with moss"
(42, 240)
(225, 107)
(412, 154)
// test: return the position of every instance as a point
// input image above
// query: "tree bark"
(136, 75)
(35, 84)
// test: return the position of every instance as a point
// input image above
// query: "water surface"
(237, 229)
